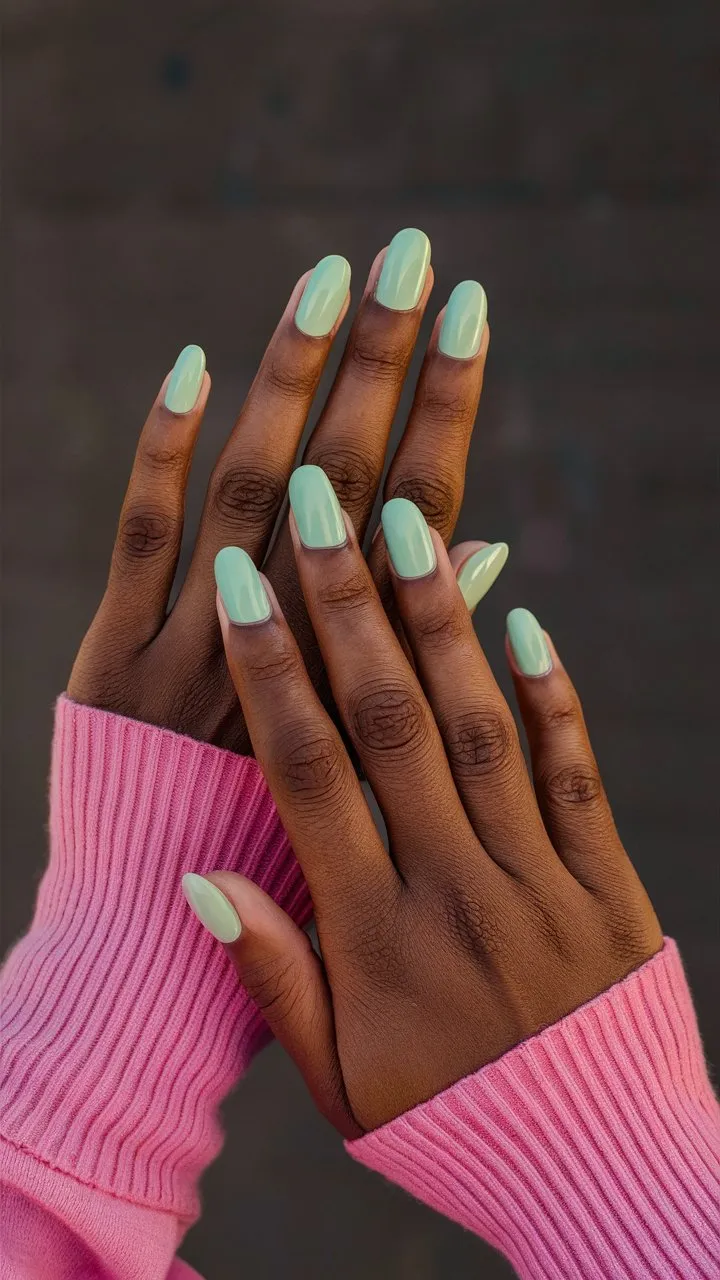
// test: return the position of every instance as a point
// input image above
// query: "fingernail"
(404, 270)
(316, 509)
(464, 320)
(528, 644)
(407, 538)
(186, 380)
(480, 570)
(240, 587)
(212, 908)
(323, 296)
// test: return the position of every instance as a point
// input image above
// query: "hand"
(500, 906)
(169, 669)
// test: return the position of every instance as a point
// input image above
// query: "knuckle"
(573, 784)
(480, 743)
(440, 626)
(633, 937)
(375, 361)
(274, 986)
(293, 383)
(436, 498)
(351, 475)
(145, 533)
(445, 408)
(312, 767)
(353, 592)
(284, 664)
(164, 458)
(389, 718)
(247, 495)
(556, 715)
(471, 923)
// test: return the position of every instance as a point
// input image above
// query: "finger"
(299, 750)
(568, 786)
(250, 478)
(149, 533)
(380, 701)
(350, 440)
(477, 727)
(282, 975)
(429, 466)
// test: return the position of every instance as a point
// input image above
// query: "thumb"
(285, 978)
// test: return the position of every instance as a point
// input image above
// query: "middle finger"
(379, 698)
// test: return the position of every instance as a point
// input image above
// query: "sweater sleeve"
(590, 1150)
(123, 1023)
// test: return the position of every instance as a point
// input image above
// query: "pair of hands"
(500, 905)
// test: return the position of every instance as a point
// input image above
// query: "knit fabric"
(590, 1150)
(123, 1021)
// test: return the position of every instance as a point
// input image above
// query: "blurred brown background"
(169, 170)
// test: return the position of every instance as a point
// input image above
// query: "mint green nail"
(212, 908)
(480, 571)
(186, 380)
(240, 587)
(464, 320)
(407, 538)
(528, 643)
(323, 296)
(404, 270)
(316, 509)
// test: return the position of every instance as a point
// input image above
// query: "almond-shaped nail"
(528, 643)
(404, 270)
(476, 576)
(323, 296)
(186, 380)
(241, 588)
(212, 908)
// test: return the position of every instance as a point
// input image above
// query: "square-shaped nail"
(323, 296)
(407, 539)
(317, 512)
(464, 320)
(403, 273)
(186, 380)
(241, 588)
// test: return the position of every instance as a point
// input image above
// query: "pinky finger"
(568, 786)
(149, 533)
(285, 978)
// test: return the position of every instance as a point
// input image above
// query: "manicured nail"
(212, 908)
(240, 587)
(316, 509)
(407, 538)
(528, 644)
(186, 380)
(464, 320)
(404, 270)
(323, 296)
(480, 570)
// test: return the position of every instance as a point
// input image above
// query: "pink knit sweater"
(592, 1150)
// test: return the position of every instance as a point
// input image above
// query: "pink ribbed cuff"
(124, 1025)
(591, 1150)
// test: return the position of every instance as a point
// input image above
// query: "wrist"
(124, 1023)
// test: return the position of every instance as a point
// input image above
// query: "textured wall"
(169, 171)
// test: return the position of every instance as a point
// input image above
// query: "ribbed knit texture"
(591, 1150)
(123, 1021)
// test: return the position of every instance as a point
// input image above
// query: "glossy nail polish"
(407, 539)
(316, 509)
(528, 643)
(323, 296)
(240, 587)
(464, 320)
(479, 571)
(186, 380)
(212, 908)
(403, 273)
